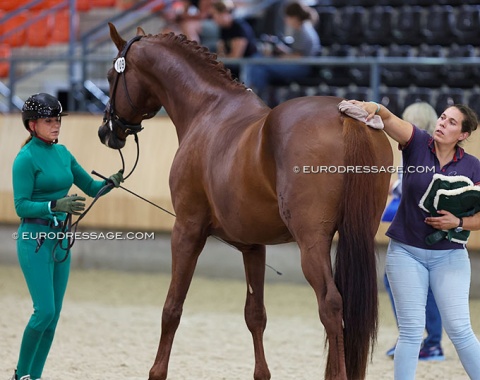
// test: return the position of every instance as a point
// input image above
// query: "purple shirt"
(419, 158)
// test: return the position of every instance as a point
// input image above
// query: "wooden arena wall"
(119, 209)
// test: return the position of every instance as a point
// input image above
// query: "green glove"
(117, 178)
(71, 204)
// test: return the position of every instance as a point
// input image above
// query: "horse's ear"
(140, 31)
(117, 40)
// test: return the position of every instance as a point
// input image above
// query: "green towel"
(455, 194)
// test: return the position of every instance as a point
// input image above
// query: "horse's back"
(308, 137)
(311, 131)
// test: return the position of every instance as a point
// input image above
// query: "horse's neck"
(194, 91)
(194, 101)
(184, 92)
(218, 114)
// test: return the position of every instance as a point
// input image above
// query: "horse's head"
(130, 102)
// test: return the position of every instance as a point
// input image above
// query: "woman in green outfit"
(43, 173)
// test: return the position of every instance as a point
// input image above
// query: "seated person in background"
(193, 19)
(237, 38)
(300, 19)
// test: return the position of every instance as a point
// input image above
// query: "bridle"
(111, 116)
(128, 129)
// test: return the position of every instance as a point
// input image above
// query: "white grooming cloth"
(360, 114)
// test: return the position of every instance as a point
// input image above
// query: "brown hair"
(223, 6)
(301, 11)
(470, 120)
(29, 138)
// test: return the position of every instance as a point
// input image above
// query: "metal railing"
(375, 65)
(79, 52)
(72, 55)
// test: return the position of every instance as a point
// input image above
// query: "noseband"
(113, 118)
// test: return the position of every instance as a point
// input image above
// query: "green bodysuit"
(42, 173)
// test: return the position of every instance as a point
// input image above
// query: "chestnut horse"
(254, 176)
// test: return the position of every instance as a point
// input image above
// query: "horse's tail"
(355, 264)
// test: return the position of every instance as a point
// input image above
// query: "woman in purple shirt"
(412, 265)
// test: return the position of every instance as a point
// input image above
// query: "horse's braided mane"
(200, 51)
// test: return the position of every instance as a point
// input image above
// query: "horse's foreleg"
(255, 314)
(187, 243)
(317, 268)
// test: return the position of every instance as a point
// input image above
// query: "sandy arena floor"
(111, 322)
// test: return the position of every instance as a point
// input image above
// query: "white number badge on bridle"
(120, 65)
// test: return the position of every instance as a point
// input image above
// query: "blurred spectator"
(237, 38)
(303, 41)
(193, 19)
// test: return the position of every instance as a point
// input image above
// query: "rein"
(172, 214)
(136, 160)
(69, 229)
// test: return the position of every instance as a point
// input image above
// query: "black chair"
(397, 75)
(369, 3)
(466, 28)
(360, 75)
(447, 98)
(359, 93)
(326, 25)
(428, 75)
(454, 3)
(349, 25)
(395, 3)
(378, 25)
(438, 23)
(407, 26)
(337, 75)
(391, 98)
(418, 95)
(425, 3)
(456, 75)
(344, 3)
(473, 101)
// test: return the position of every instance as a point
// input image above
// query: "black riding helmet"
(40, 106)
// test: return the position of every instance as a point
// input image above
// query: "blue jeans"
(433, 320)
(260, 76)
(411, 271)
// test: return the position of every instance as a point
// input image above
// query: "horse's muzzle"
(108, 138)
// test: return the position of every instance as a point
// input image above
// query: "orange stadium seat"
(19, 37)
(45, 4)
(10, 5)
(5, 52)
(125, 4)
(103, 3)
(39, 33)
(83, 5)
(61, 27)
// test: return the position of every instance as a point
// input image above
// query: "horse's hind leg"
(187, 244)
(255, 314)
(317, 268)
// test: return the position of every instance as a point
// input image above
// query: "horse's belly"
(252, 225)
